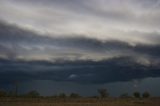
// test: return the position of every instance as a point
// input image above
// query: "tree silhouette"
(62, 95)
(125, 95)
(103, 93)
(16, 88)
(3, 93)
(11, 93)
(33, 93)
(146, 95)
(136, 95)
(74, 95)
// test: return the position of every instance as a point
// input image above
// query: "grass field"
(79, 102)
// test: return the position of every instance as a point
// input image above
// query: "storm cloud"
(95, 41)
(86, 72)
(26, 55)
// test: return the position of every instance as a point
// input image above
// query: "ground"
(79, 102)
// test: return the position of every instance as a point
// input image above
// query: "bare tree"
(16, 88)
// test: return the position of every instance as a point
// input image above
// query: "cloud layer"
(26, 55)
(129, 21)
(86, 72)
(18, 43)
(95, 41)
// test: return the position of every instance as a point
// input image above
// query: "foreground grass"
(79, 102)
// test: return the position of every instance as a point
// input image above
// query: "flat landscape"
(79, 102)
(79, 52)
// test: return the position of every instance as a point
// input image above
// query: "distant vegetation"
(136, 94)
(146, 95)
(33, 98)
(3, 93)
(74, 95)
(101, 93)
(32, 94)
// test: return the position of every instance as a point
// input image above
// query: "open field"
(79, 102)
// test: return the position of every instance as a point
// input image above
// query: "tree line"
(102, 93)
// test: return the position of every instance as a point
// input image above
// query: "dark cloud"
(152, 50)
(112, 70)
(83, 42)
(125, 66)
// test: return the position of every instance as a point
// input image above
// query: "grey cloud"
(82, 17)
(79, 41)
(151, 4)
(15, 41)
(103, 71)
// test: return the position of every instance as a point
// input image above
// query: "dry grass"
(78, 102)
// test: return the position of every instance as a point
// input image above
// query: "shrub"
(3, 93)
(103, 93)
(74, 95)
(33, 94)
(125, 95)
(136, 95)
(62, 95)
(146, 95)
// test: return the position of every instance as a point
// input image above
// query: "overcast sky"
(89, 36)
(132, 21)
(84, 25)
